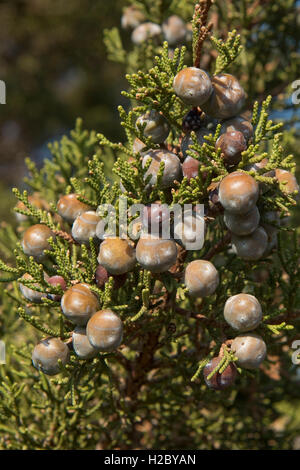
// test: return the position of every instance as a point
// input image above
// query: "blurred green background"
(52, 59)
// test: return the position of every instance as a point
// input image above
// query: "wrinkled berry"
(193, 86)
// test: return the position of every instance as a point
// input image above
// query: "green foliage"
(154, 11)
(228, 50)
(113, 43)
(52, 78)
(153, 89)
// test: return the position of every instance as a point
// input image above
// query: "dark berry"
(56, 281)
(193, 120)
(232, 144)
(238, 123)
(35, 241)
(190, 167)
(102, 276)
(219, 381)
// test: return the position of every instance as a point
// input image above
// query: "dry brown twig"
(220, 246)
(66, 236)
(200, 21)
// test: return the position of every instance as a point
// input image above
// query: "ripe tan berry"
(155, 254)
(250, 350)
(117, 255)
(84, 227)
(219, 381)
(69, 207)
(31, 294)
(238, 192)
(201, 278)
(105, 330)
(193, 86)
(242, 224)
(227, 98)
(102, 276)
(172, 170)
(35, 241)
(34, 200)
(156, 126)
(251, 247)
(79, 303)
(81, 345)
(243, 312)
(47, 353)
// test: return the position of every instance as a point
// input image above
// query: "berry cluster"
(237, 195)
(174, 29)
(162, 168)
(95, 330)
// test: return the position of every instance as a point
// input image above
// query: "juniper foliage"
(150, 392)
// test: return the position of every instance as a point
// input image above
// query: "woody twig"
(200, 28)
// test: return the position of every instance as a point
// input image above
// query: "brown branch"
(176, 269)
(179, 335)
(218, 247)
(66, 236)
(200, 21)
(189, 313)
